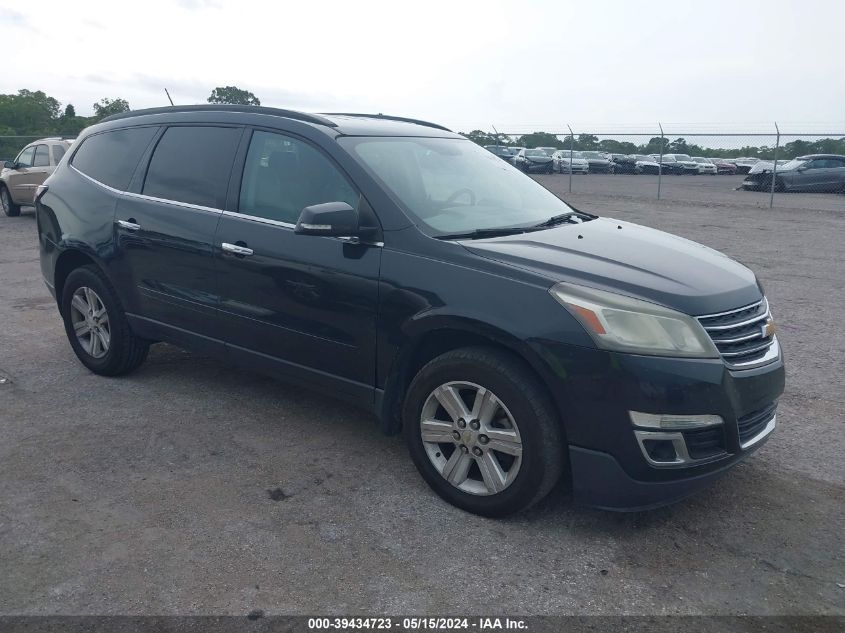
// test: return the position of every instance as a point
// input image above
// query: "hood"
(597, 160)
(539, 159)
(648, 162)
(632, 260)
(575, 161)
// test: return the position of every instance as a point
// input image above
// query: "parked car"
(624, 164)
(744, 165)
(645, 164)
(765, 165)
(20, 178)
(548, 150)
(705, 166)
(515, 151)
(670, 165)
(724, 166)
(502, 151)
(681, 164)
(598, 162)
(814, 172)
(399, 266)
(561, 162)
(533, 160)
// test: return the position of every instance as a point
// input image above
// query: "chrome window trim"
(255, 218)
(770, 426)
(178, 203)
(142, 196)
(95, 181)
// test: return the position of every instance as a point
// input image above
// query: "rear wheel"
(482, 431)
(96, 325)
(11, 209)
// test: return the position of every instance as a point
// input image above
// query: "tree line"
(34, 114)
(587, 142)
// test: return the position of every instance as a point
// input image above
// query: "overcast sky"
(521, 66)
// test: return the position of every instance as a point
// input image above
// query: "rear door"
(165, 230)
(41, 169)
(301, 306)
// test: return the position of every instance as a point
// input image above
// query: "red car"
(723, 166)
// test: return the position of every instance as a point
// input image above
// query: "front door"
(165, 233)
(22, 180)
(294, 304)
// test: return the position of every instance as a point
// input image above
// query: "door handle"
(236, 249)
(129, 225)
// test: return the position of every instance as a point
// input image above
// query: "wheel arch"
(69, 260)
(438, 335)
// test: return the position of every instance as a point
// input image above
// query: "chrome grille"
(742, 336)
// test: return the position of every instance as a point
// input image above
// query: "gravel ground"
(190, 487)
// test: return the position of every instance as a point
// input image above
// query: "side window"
(111, 157)
(58, 152)
(42, 156)
(192, 165)
(815, 164)
(24, 159)
(282, 175)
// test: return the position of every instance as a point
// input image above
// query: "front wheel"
(10, 209)
(482, 431)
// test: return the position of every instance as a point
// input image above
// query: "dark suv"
(397, 265)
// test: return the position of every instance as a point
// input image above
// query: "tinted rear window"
(111, 157)
(192, 164)
(42, 157)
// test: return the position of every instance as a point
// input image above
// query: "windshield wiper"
(555, 220)
(480, 233)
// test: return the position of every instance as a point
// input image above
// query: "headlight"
(624, 324)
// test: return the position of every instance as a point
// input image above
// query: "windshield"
(641, 157)
(535, 152)
(453, 185)
(592, 155)
(682, 157)
(700, 159)
(795, 163)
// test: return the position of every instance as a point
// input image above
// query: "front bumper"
(597, 390)
(538, 167)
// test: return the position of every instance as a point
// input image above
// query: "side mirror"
(9, 165)
(335, 219)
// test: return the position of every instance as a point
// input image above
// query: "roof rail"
(389, 118)
(288, 114)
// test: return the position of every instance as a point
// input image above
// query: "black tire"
(125, 351)
(515, 386)
(11, 209)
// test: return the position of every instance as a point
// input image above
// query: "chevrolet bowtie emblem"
(768, 329)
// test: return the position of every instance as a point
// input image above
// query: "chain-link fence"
(757, 168)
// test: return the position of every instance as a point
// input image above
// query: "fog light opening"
(662, 451)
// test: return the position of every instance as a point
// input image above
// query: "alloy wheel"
(90, 322)
(471, 438)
